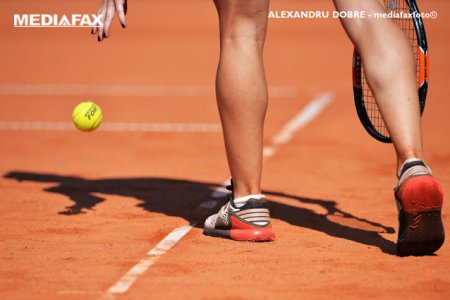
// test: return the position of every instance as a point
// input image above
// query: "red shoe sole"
(421, 230)
(421, 193)
(249, 235)
(253, 235)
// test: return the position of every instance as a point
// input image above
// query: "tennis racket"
(408, 18)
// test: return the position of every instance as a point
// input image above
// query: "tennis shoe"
(250, 222)
(419, 199)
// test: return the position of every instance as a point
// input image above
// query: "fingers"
(108, 19)
(102, 12)
(94, 29)
(121, 7)
(106, 11)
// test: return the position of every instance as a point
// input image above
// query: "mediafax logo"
(54, 20)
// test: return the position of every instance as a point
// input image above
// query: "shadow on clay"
(182, 198)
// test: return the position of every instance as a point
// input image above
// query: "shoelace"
(223, 213)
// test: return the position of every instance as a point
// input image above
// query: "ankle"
(240, 191)
(241, 201)
(402, 160)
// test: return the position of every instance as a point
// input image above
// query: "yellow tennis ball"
(87, 116)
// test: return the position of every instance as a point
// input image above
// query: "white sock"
(416, 170)
(239, 202)
(404, 163)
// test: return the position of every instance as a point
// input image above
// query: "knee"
(242, 22)
(243, 37)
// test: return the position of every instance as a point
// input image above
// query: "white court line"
(114, 127)
(120, 90)
(130, 277)
(306, 115)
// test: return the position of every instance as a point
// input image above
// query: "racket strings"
(400, 9)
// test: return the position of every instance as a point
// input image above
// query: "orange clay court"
(118, 213)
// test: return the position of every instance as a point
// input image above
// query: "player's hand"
(107, 10)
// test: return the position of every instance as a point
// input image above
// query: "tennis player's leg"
(242, 101)
(391, 74)
(242, 89)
